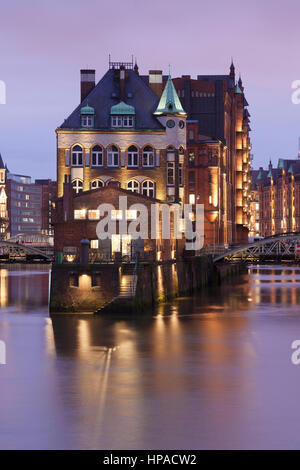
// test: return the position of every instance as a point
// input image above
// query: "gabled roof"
(122, 108)
(169, 102)
(107, 93)
(237, 90)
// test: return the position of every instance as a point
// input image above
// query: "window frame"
(98, 154)
(148, 189)
(112, 154)
(132, 154)
(133, 190)
(148, 154)
(77, 155)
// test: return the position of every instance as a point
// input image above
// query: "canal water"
(203, 372)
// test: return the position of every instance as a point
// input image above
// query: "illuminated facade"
(279, 197)
(220, 165)
(123, 131)
(3, 202)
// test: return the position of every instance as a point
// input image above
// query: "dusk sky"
(44, 44)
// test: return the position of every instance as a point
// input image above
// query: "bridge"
(17, 252)
(281, 247)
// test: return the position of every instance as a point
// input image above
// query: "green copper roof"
(169, 102)
(270, 174)
(259, 176)
(280, 163)
(122, 108)
(290, 170)
(238, 90)
(87, 110)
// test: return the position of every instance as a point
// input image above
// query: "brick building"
(218, 145)
(77, 215)
(279, 197)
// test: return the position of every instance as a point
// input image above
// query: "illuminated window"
(148, 188)
(77, 156)
(97, 184)
(79, 214)
(132, 156)
(131, 214)
(133, 186)
(93, 214)
(97, 156)
(95, 244)
(116, 215)
(192, 199)
(148, 156)
(210, 200)
(77, 185)
(113, 156)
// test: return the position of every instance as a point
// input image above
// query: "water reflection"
(209, 371)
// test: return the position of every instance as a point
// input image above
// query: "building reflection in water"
(24, 285)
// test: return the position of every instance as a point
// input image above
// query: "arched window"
(113, 156)
(132, 157)
(77, 185)
(77, 156)
(97, 184)
(133, 186)
(97, 156)
(148, 188)
(148, 156)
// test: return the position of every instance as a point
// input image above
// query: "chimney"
(68, 198)
(87, 82)
(156, 82)
(122, 83)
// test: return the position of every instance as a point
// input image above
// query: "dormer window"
(87, 121)
(122, 115)
(87, 115)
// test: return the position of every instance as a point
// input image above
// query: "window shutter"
(122, 158)
(157, 158)
(67, 157)
(87, 158)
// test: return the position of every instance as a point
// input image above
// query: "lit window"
(87, 121)
(133, 186)
(131, 214)
(77, 185)
(94, 244)
(113, 156)
(210, 200)
(79, 214)
(77, 156)
(97, 156)
(93, 214)
(132, 157)
(192, 199)
(97, 184)
(170, 173)
(148, 156)
(148, 188)
(116, 215)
